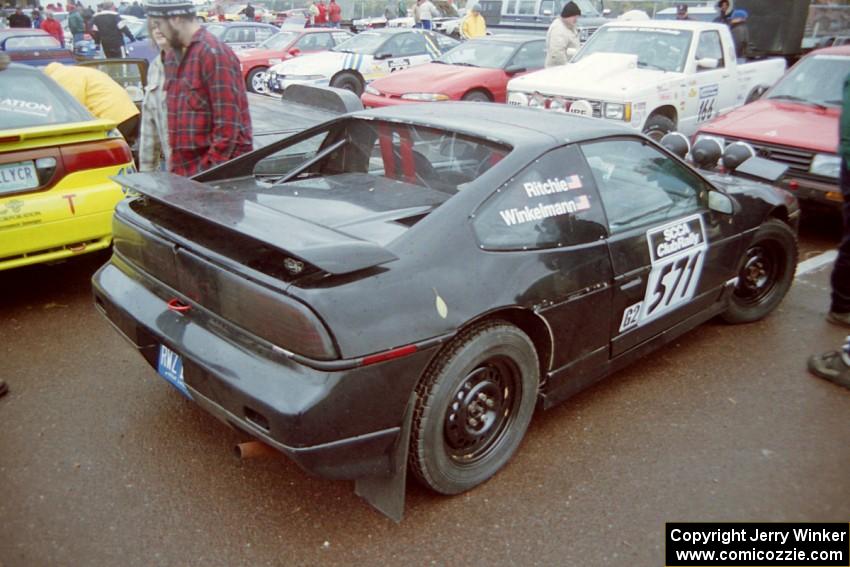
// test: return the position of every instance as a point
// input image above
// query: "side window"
(526, 7)
(314, 42)
(710, 47)
(339, 37)
(411, 44)
(262, 34)
(282, 161)
(551, 203)
(640, 185)
(546, 7)
(530, 56)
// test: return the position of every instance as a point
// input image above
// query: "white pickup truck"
(656, 76)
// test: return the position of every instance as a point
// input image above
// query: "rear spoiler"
(236, 212)
(53, 130)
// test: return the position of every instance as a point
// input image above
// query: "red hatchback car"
(796, 123)
(282, 46)
(477, 70)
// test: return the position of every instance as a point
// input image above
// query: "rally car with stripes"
(403, 288)
(367, 56)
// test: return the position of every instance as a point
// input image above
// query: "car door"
(670, 254)
(548, 222)
(711, 92)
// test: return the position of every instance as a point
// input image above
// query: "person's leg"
(112, 52)
(833, 366)
(840, 307)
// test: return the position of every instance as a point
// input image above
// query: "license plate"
(170, 367)
(18, 176)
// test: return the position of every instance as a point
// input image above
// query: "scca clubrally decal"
(677, 251)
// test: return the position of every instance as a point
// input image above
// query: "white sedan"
(367, 56)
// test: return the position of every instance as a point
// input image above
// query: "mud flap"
(386, 494)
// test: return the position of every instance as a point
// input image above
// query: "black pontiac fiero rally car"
(401, 288)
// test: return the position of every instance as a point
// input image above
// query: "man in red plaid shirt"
(208, 118)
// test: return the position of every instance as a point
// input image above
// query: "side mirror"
(720, 203)
(707, 63)
(382, 55)
(514, 69)
(295, 52)
(547, 12)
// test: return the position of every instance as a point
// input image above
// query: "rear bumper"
(336, 424)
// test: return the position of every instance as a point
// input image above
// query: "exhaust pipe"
(254, 449)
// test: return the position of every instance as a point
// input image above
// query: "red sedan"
(282, 46)
(476, 70)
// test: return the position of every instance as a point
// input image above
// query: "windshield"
(365, 43)
(480, 54)
(30, 98)
(818, 79)
(664, 50)
(278, 40)
(216, 30)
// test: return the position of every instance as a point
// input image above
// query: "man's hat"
(570, 9)
(169, 8)
(682, 9)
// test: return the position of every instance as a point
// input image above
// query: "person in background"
(314, 13)
(427, 11)
(682, 12)
(722, 12)
(835, 365)
(88, 18)
(417, 21)
(334, 14)
(108, 29)
(248, 12)
(54, 28)
(322, 16)
(123, 7)
(19, 19)
(208, 119)
(153, 136)
(473, 24)
(562, 36)
(36, 18)
(402, 9)
(136, 10)
(76, 24)
(740, 32)
(98, 92)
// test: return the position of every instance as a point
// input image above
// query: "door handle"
(726, 76)
(630, 284)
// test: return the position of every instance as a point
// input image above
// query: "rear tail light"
(93, 155)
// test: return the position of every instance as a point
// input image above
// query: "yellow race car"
(56, 161)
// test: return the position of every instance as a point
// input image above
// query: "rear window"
(28, 42)
(29, 98)
(435, 159)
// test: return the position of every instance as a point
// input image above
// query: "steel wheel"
(473, 406)
(485, 404)
(766, 272)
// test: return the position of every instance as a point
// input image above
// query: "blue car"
(33, 47)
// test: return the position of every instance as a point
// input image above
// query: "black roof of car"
(512, 125)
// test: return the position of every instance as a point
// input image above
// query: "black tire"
(349, 82)
(477, 96)
(494, 360)
(765, 274)
(252, 79)
(657, 126)
(755, 94)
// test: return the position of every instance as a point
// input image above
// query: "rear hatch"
(235, 247)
